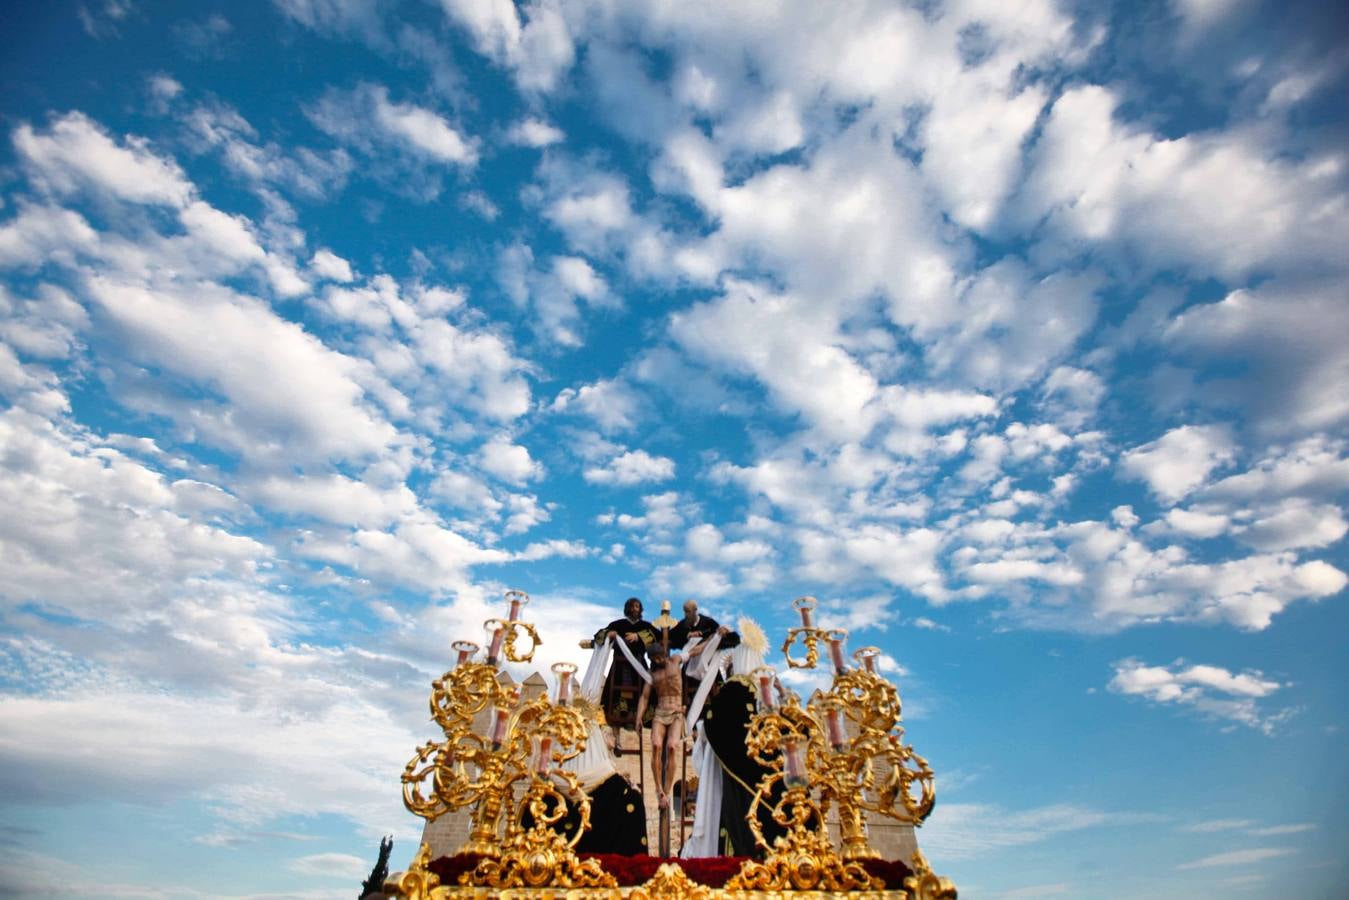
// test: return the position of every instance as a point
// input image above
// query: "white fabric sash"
(706, 834)
(704, 688)
(698, 668)
(593, 682)
(623, 645)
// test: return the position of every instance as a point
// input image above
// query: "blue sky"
(1017, 333)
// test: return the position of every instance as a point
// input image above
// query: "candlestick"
(806, 606)
(465, 649)
(564, 672)
(765, 675)
(517, 601)
(868, 656)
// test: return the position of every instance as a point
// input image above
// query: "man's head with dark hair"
(658, 655)
(632, 608)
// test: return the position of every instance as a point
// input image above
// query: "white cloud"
(248, 759)
(613, 405)
(662, 515)
(555, 292)
(1277, 830)
(164, 87)
(531, 132)
(1290, 361)
(422, 130)
(406, 148)
(1219, 203)
(1195, 686)
(361, 17)
(97, 533)
(632, 467)
(342, 866)
(329, 265)
(296, 397)
(790, 348)
(333, 498)
(1238, 857)
(1199, 15)
(534, 42)
(507, 461)
(39, 234)
(1217, 825)
(903, 558)
(1090, 575)
(418, 552)
(1180, 461)
(76, 153)
(968, 831)
(1314, 468)
(47, 326)
(266, 166)
(1294, 524)
(465, 492)
(973, 140)
(1071, 395)
(524, 511)
(690, 579)
(1197, 524)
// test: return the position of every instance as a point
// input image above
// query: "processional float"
(840, 754)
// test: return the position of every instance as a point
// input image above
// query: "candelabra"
(826, 755)
(520, 752)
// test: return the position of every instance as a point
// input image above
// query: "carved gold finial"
(924, 885)
(671, 883)
(418, 882)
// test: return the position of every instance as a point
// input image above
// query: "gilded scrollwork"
(418, 882)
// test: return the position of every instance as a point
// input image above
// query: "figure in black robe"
(623, 685)
(726, 722)
(695, 625)
(617, 820)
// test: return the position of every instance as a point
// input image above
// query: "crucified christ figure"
(667, 725)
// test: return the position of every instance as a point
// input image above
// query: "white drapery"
(595, 764)
(623, 645)
(703, 840)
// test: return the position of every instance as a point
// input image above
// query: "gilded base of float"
(670, 881)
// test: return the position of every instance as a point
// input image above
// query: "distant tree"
(375, 883)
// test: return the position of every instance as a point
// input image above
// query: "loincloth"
(666, 717)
